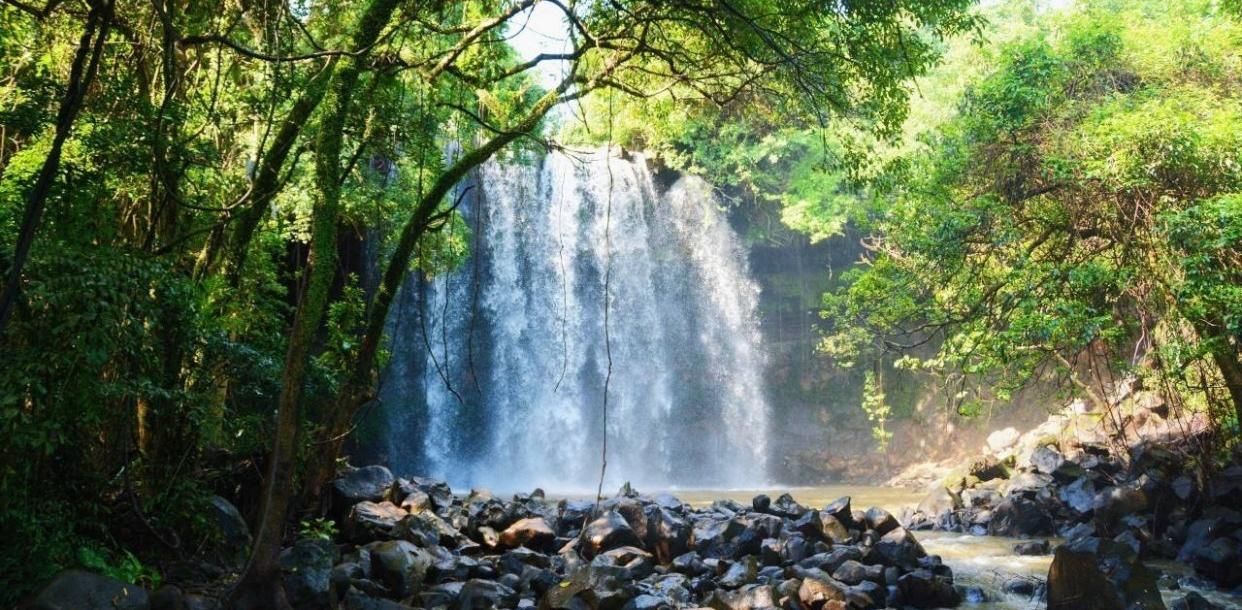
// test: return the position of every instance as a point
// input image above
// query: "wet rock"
(416, 501)
(1221, 561)
(852, 572)
(1025, 587)
(608, 532)
(1100, 574)
(427, 529)
(840, 510)
(637, 562)
(438, 492)
(987, 468)
(738, 574)
(532, 533)
(1028, 483)
(1017, 516)
(786, 506)
(370, 483)
(356, 599)
(761, 503)
(710, 537)
(690, 564)
(1046, 459)
(399, 565)
(923, 589)
(668, 535)
(306, 569)
(817, 593)
(593, 588)
(881, 520)
(1079, 495)
(371, 520)
(1192, 601)
(81, 590)
(1034, 547)
(899, 548)
(478, 594)
(1111, 504)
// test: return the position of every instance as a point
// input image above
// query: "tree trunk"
(81, 74)
(260, 585)
(1231, 371)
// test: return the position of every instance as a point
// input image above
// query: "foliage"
(317, 529)
(877, 409)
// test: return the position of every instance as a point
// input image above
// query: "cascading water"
(498, 368)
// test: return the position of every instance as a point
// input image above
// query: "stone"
(1100, 574)
(608, 532)
(1027, 483)
(1192, 601)
(371, 483)
(427, 529)
(1034, 547)
(668, 535)
(1017, 517)
(817, 593)
(306, 571)
(786, 506)
(1046, 459)
(1079, 495)
(437, 491)
(1221, 561)
(852, 572)
(358, 600)
(399, 565)
(750, 597)
(899, 548)
(761, 503)
(710, 537)
(531, 532)
(479, 594)
(82, 590)
(371, 520)
(590, 588)
(690, 564)
(1111, 504)
(840, 510)
(923, 589)
(233, 532)
(417, 501)
(939, 500)
(1001, 441)
(881, 520)
(987, 468)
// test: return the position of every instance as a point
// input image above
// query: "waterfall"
(497, 369)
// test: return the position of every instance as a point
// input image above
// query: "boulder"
(399, 565)
(1033, 547)
(1221, 561)
(1111, 504)
(373, 520)
(987, 468)
(357, 600)
(668, 535)
(1098, 574)
(1192, 601)
(608, 532)
(761, 503)
(81, 590)
(1079, 495)
(852, 572)
(880, 520)
(590, 588)
(531, 532)
(939, 500)
(820, 593)
(306, 571)
(786, 506)
(1046, 459)
(438, 492)
(370, 483)
(899, 548)
(750, 597)
(922, 588)
(234, 534)
(1017, 516)
(478, 594)
(1002, 441)
(840, 510)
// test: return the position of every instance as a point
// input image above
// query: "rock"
(668, 535)
(987, 468)
(478, 594)
(590, 588)
(840, 510)
(1221, 561)
(817, 593)
(1079, 495)
(427, 529)
(417, 501)
(710, 537)
(608, 532)
(1020, 586)
(399, 565)
(690, 564)
(923, 589)
(761, 503)
(234, 533)
(371, 520)
(738, 574)
(939, 500)
(786, 506)
(1035, 547)
(1002, 441)
(637, 562)
(852, 572)
(369, 483)
(1046, 459)
(81, 590)
(750, 597)
(1027, 483)
(1192, 601)
(881, 521)
(899, 548)
(1113, 503)
(1017, 517)
(1100, 574)
(438, 492)
(357, 600)
(306, 570)
(532, 533)
(168, 597)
